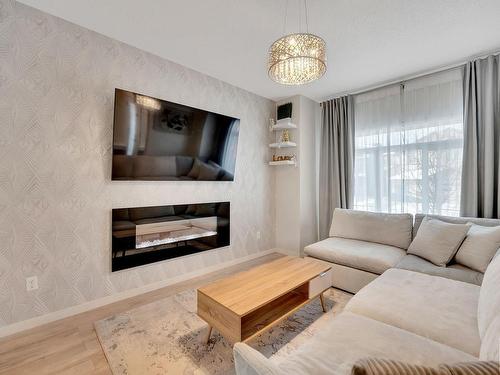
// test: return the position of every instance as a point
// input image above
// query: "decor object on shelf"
(285, 136)
(272, 124)
(283, 157)
(284, 160)
(297, 58)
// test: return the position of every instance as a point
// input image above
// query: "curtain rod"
(413, 76)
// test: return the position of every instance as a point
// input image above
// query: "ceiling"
(368, 41)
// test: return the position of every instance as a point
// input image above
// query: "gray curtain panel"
(336, 159)
(480, 173)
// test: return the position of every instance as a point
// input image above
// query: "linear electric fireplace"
(143, 235)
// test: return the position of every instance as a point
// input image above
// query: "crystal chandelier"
(297, 58)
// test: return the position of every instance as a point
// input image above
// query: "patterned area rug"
(166, 336)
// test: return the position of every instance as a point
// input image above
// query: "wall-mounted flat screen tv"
(158, 140)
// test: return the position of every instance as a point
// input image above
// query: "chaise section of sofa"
(349, 338)
(429, 306)
(404, 316)
(362, 245)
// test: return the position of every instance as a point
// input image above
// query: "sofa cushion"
(226, 176)
(195, 170)
(223, 209)
(120, 214)
(139, 213)
(351, 337)
(440, 309)
(154, 166)
(454, 272)
(208, 172)
(438, 241)
(388, 229)
(205, 209)
(490, 344)
(455, 220)
(367, 256)
(123, 166)
(183, 165)
(479, 247)
(119, 225)
(489, 298)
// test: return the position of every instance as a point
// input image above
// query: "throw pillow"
(195, 170)
(479, 247)
(208, 172)
(382, 366)
(468, 368)
(205, 209)
(226, 176)
(183, 164)
(438, 241)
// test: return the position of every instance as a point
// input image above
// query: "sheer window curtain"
(408, 146)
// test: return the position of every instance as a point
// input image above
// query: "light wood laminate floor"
(70, 345)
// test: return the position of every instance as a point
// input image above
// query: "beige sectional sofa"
(362, 245)
(405, 308)
(402, 315)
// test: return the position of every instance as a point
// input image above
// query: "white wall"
(287, 192)
(308, 217)
(57, 84)
(295, 205)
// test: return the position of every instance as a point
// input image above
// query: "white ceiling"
(368, 41)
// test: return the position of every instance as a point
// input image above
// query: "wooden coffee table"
(245, 304)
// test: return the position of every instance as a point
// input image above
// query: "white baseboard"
(73, 310)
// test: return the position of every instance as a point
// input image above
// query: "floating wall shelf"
(285, 123)
(282, 162)
(283, 145)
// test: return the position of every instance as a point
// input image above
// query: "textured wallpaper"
(57, 84)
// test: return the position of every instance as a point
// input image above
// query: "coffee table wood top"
(247, 291)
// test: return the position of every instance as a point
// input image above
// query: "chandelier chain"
(286, 14)
(300, 16)
(307, 23)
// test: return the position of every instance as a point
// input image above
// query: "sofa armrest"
(249, 361)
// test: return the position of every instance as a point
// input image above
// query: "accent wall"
(57, 83)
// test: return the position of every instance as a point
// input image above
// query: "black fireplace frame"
(125, 254)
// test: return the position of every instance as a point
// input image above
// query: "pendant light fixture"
(297, 58)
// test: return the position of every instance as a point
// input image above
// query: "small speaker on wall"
(284, 111)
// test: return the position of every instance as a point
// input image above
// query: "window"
(408, 146)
